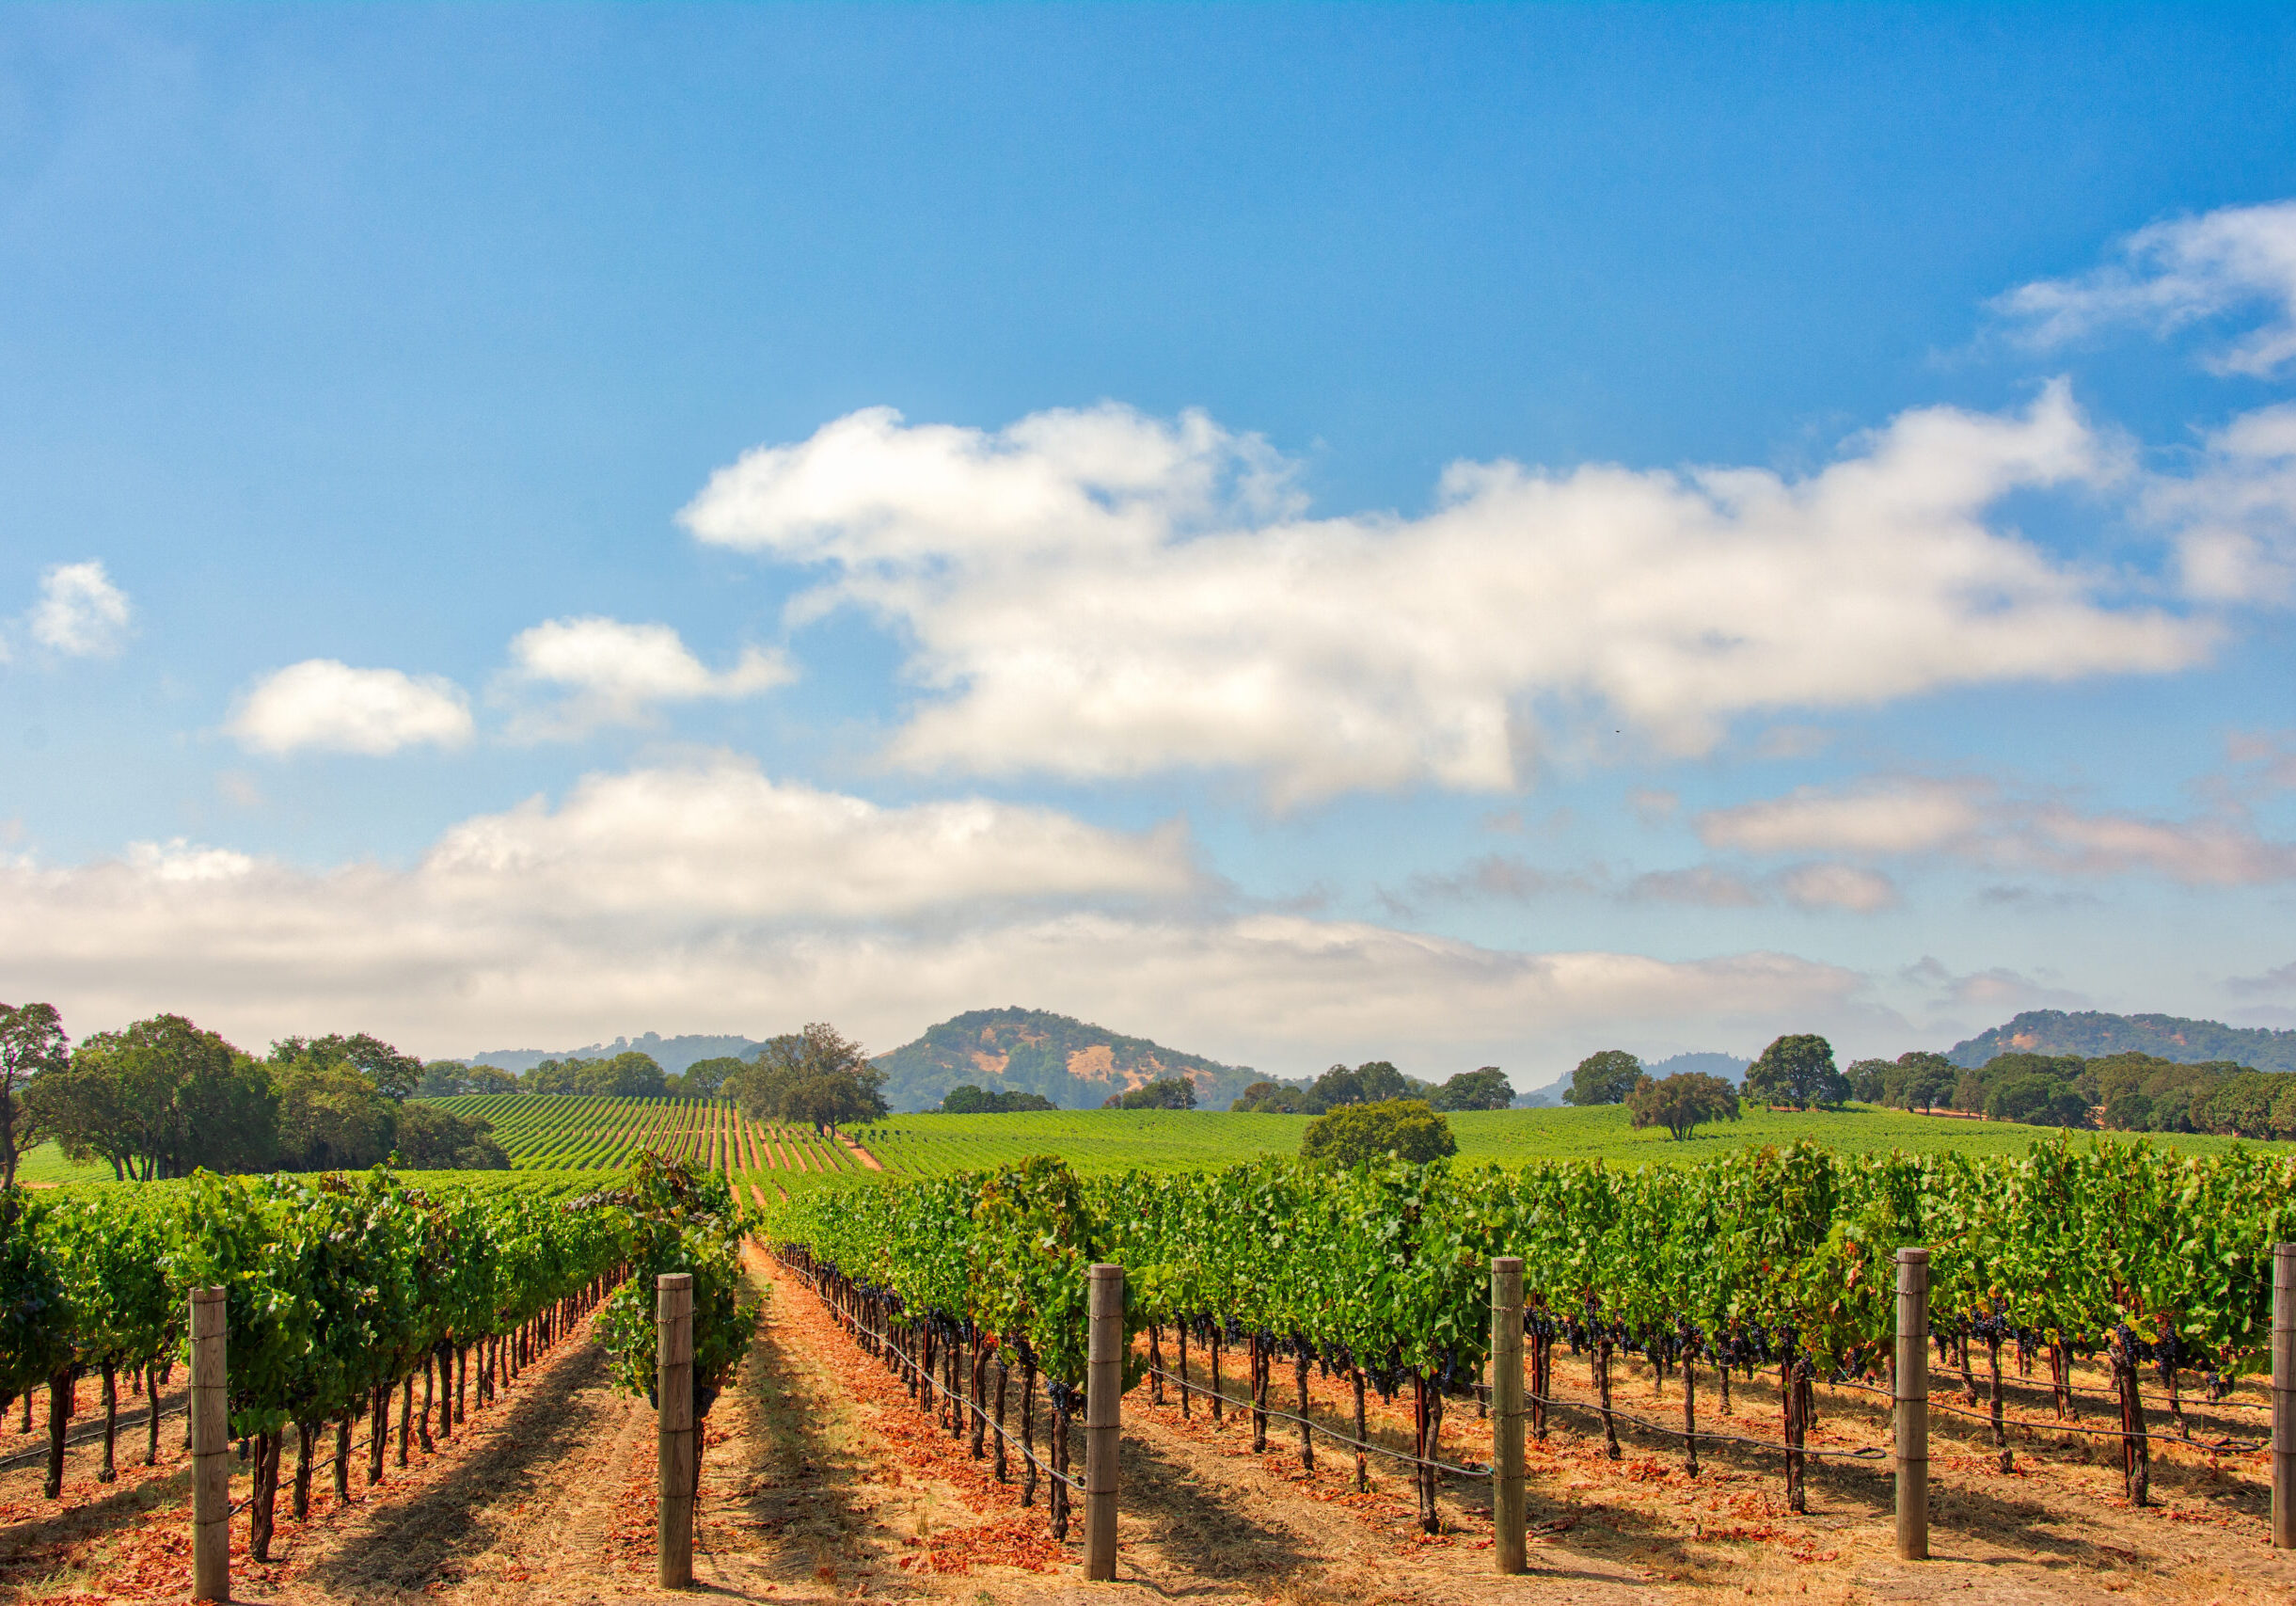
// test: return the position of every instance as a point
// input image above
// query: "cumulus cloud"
(721, 840)
(2234, 517)
(1101, 594)
(603, 916)
(608, 672)
(80, 613)
(1976, 820)
(2175, 274)
(324, 705)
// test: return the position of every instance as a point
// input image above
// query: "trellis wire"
(1336, 1437)
(91, 1434)
(941, 1388)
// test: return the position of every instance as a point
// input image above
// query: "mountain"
(1728, 1067)
(1074, 1064)
(672, 1053)
(2090, 1033)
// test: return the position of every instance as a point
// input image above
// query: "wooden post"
(210, 1447)
(674, 1389)
(1507, 1413)
(2283, 1396)
(1103, 1419)
(1913, 1404)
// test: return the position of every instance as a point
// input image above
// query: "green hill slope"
(1069, 1061)
(2090, 1033)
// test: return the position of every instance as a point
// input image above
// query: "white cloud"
(715, 900)
(1893, 817)
(1974, 820)
(1838, 887)
(1101, 595)
(328, 705)
(80, 611)
(611, 673)
(2234, 517)
(720, 840)
(2178, 273)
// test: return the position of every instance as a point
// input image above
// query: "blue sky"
(1453, 534)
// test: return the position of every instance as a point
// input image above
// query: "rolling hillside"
(1069, 1061)
(2090, 1033)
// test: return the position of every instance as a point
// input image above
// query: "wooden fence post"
(1507, 1414)
(2283, 1396)
(1912, 1404)
(211, 1444)
(1103, 1419)
(673, 1394)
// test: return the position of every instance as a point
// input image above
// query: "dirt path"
(823, 1480)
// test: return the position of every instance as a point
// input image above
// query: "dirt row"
(822, 1481)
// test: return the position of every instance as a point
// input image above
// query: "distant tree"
(1869, 1080)
(1484, 1088)
(1923, 1081)
(2037, 1101)
(1681, 1102)
(1369, 1083)
(966, 1099)
(704, 1079)
(1603, 1078)
(395, 1075)
(1164, 1092)
(443, 1080)
(429, 1139)
(1969, 1093)
(490, 1079)
(1404, 1128)
(1278, 1098)
(32, 1044)
(817, 1076)
(1797, 1069)
(331, 1118)
(160, 1097)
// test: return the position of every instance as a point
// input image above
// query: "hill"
(2090, 1033)
(672, 1053)
(1073, 1063)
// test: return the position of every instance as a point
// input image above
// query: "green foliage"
(670, 1218)
(1753, 1253)
(160, 1098)
(704, 1079)
(393, 1075)
(1166, 1092)
(630, 1075)
(1681, 1102)
(1797, 1068)
(2090, 1034)
(1355, 1135)
(969, 1100)
(1603, 1078)
(32, 1044)
(1483, 1088)
(817, 1077)
(1276, 1098)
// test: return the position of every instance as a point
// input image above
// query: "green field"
(1106, 1140)
(552, 1133)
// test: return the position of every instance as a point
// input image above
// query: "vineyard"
(573, 1133)
(1705, 1347)
(338, 1295)
(1765, 1261)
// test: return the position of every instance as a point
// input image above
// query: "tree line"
(2116, 1092)
(1378, 1082)
(164, 1098)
